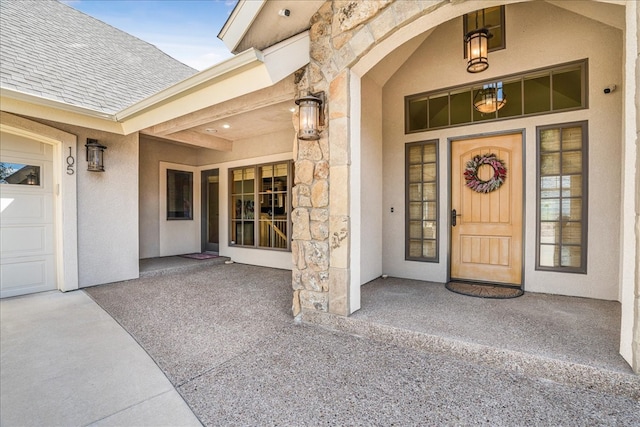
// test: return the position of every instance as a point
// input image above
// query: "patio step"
(521, 363)
(175, 265)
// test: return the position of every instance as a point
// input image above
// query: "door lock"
(454, 219)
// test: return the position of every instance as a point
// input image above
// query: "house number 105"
(70, 162)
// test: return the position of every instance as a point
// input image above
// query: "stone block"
(361, 41)
(309, 150)
(323, 142)
(319, 230)
(312, 300)
(340, 40)
(300, 219)
(311, 281)
(406, 11)
(320, 50)
(319, 215)
(339, 291)
(343, 57)
(295, 305)
(296, 280)
(304, 172)
(320, 194)
(339, 142)
(321, 170)
(348, 14)
(339, 96)
(339, 240)
(339, 190)
(316, 255)
(383, 25)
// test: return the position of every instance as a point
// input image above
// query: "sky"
(187, 30)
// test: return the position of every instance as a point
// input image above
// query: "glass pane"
(550, 140)
(429, 249)
(572, 186)
(572, 162)
(572, 233)
(550, 164)
(567, 89)
(415, 173)
(549, 255)
(248, 183)
(537, 95)
(415, 154)
(429, 210)
(549, 210)
(415, 229)
(415, 210)
(477, 115)
(429, 229)
(571, 256)
(237, 207)
(461, 107)
(550, 232)
(19, 174)
(572, 138)
(429, 153)
(438, 111)
(429, 172)
(236, 232)
(415, 248)
(513, 94)
(248, 207)
(237, 181)
(572, 209)
(415, 192)
(429, 191)
(549, 187)
(179, 194)
(267, 181)
(280, 177)
(247, 233)
(417, 114)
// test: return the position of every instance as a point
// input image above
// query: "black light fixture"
(311, 116)
(95, 153)
(490, 98)
(32, 178)
(477, 46)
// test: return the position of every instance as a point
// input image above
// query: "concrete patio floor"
(415, 354)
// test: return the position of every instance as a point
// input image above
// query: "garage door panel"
(26, 275)
(21, 208)
(15, 145)
(26, 241)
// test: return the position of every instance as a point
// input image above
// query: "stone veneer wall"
(341, 32)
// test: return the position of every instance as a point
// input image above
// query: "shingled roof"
(53, 51)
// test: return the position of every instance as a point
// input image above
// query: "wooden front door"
(486, 240)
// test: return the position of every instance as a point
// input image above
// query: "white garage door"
(26, 217)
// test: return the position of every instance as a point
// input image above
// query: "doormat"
(203, 255)
(484, 290)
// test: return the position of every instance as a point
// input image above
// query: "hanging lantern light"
(476, 45)
(32, 178)
(310, 114)
(95, 153)
(490, 98)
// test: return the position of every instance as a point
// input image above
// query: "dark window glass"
(19, 174)
(461, 107)
(438, 111)
(537, 94)
(417, 114)
(567, 89)
(513, 95)
(179, 194)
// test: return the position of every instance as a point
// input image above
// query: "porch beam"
(198, 139)
(280, 92)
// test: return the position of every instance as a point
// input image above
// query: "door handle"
(454, 219)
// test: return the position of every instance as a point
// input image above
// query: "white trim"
(355, 185)
(64, 193)
(59, 105)
(239, 22)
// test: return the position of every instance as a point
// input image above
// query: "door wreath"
(471, 173)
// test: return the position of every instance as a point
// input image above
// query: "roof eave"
(238, 23)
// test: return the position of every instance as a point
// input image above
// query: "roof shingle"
(51, 50)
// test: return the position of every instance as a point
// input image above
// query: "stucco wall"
(107, 208)
(155, 154)
(532, 42)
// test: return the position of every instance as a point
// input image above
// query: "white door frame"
(64, 192)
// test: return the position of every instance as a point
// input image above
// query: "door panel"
(210, 210)
(486, 240)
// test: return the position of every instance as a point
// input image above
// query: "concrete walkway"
(223, 335)
(65, 362)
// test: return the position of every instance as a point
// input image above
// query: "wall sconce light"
(95, 155)
(32, 178)
(476, 44)
(311, 116)
(490, 98)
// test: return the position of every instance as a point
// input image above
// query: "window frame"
(466, 29)
(407, 222)
(584, 197)
(506, 79)
(257, 168)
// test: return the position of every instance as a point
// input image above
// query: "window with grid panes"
(562, 198)
(421, 201)
(260, 205)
